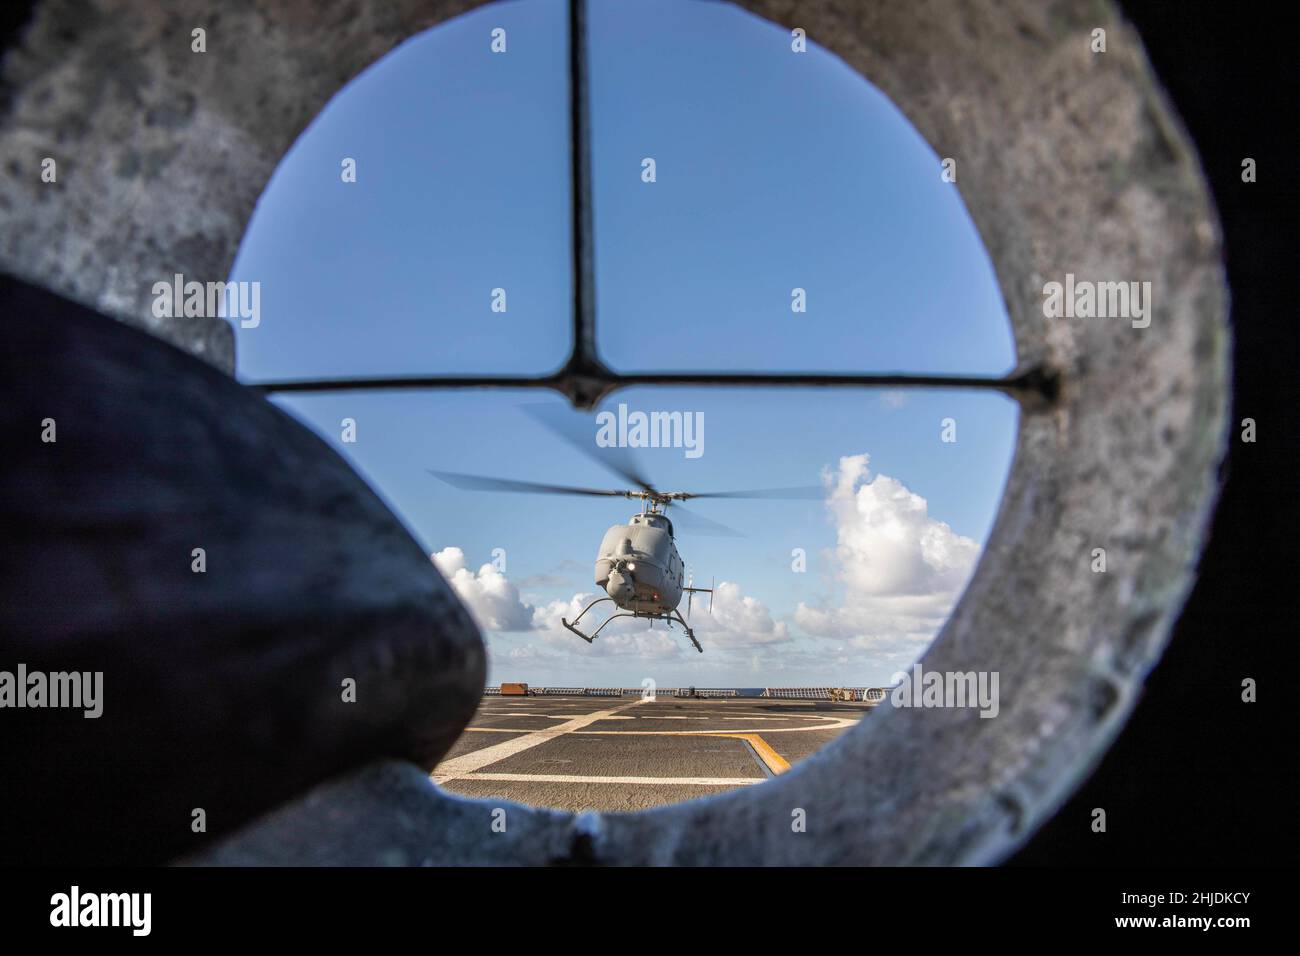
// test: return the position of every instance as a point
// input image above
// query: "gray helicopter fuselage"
(639, 567)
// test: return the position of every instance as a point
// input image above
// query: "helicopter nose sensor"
(619, 587)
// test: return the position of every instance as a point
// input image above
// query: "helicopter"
(637, 565)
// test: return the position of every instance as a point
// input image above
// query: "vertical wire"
(584, 292)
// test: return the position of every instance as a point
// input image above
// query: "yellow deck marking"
(775, 762)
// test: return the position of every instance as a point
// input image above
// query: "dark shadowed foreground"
(222, 689)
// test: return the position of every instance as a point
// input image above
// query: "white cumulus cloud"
(492, 600)
(738, 619)
(900, 569)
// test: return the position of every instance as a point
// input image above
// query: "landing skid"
(668, 617)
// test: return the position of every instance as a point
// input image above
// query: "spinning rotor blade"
(482, 483)
(579, 432)
(803, 493)
(697, 524)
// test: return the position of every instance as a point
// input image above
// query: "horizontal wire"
(1035, 381)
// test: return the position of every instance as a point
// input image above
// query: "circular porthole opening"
(802, 227)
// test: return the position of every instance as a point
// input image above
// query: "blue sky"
(774, 170)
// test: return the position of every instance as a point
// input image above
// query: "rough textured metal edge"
(162, 152)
